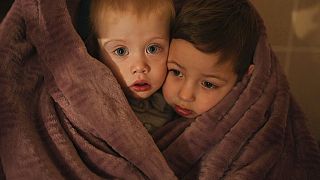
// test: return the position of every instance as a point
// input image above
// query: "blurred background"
(294, 32)
(293, 28)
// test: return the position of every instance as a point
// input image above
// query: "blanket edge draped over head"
(63, 115)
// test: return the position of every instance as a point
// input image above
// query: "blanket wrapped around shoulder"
(64, 116)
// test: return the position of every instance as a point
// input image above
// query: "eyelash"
(176, 73)
(157, 48)
(204, 84)
(123, 48)
(126, 52)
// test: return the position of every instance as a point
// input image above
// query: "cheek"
(120, 71)
(169, 90)
(205, 103)
(159, 72)
(159, 62)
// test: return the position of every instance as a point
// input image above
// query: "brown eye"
(208, 85)
(176, 72)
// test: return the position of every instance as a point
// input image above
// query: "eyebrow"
(106, 41)
(173, 62)
(203, 74)
(120, 40)
(214, 76)
(158, 37)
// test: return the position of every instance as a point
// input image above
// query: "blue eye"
(121, 51)
(208, 85)
(176, 72)
(152, 49)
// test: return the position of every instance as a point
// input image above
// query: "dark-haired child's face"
(196, 81)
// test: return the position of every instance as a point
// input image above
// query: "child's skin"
(135, 47)
(211, 50)
(133, 38)
(193, 88)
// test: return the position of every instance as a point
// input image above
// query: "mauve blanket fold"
(62, 112)
(256, 132)
(64, 116)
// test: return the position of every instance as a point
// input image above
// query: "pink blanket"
(64, 116)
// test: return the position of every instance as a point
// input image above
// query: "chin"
(140, 96)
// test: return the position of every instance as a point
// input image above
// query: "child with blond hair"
(133, 39)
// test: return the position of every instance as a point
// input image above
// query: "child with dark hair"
(212, 49)
(241, 121)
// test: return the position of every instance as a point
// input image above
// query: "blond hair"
(99, 8)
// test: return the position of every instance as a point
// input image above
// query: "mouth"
(140, 86)
(182, 111)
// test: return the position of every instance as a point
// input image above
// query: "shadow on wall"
(4, 7)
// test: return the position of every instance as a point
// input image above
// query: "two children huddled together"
(199, 75)
(196, 57)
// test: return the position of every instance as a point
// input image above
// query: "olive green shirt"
(153, 112)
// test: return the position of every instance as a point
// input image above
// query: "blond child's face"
(195, 82)
(136, 50)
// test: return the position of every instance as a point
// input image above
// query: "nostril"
(140, 70)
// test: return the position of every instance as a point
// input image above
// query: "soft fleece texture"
(64, 116)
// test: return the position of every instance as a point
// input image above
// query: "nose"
(187, 92)
(140, 65)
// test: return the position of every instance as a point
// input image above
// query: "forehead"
(185, 54)
(137, 7)
(118, 22)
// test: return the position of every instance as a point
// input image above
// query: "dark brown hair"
(229, 27)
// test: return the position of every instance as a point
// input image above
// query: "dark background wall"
(4, 7)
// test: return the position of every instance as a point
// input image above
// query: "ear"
(250, 69)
